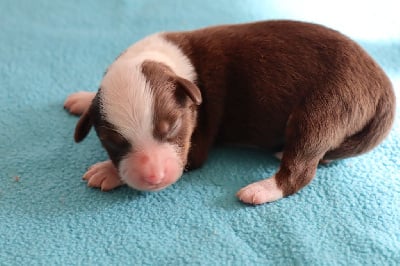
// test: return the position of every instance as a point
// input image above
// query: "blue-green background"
(349, 215)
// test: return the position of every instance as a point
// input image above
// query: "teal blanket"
(349, 214)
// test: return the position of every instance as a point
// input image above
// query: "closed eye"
(174, 129)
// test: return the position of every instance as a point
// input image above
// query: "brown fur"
(171, 104)
(287, 85)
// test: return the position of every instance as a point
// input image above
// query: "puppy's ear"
(83, 126)
(190, 90)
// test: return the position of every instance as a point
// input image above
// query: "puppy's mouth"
(155, 188)
(140, 183)
(145, 182)
(152, 168)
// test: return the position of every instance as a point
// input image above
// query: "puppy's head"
(144, 115)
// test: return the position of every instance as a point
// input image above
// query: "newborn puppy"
(296, 88)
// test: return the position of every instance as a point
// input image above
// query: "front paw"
(78, 102)
(103, 175)
(260, 192)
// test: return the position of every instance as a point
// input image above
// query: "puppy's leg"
(77, 103)
(309, 135)
(279, 155)
(296, 171)
(103, 175)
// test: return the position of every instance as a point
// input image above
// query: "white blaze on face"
(128, 103)
(153, 168)
(127, 96)
(155, 47)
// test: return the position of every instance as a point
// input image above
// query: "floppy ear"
(83, 126)
(190, 89)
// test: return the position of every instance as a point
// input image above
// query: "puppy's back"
(263, 71)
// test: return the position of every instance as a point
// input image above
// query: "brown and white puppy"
(300, 89)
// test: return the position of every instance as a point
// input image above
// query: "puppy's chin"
(138, 183)
(153, 168)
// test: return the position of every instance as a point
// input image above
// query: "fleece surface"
(350, 214)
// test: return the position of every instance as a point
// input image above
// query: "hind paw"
(260, 192)
(78, 102)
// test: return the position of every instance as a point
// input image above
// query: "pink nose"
(153, 169)
(154, 179)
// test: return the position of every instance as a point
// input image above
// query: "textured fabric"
(349, 214)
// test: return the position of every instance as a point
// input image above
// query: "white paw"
(78, 102)
(103, 175)
(260, 192)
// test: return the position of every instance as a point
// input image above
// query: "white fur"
(128, 103)
(154, 168)
(103, 175)
(260, 192)
(77, 103)
(156, 47)
(127, 99)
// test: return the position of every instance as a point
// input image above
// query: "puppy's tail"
(372, 134)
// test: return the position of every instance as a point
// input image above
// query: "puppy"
(299, 89)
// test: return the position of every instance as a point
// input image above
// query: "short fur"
(288, 86)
